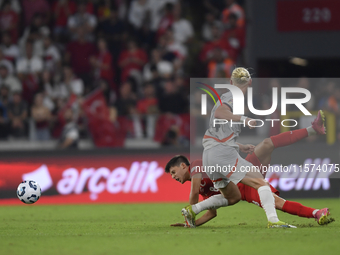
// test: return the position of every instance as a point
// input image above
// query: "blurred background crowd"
(110, 70)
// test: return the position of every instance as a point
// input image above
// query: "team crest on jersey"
(230, 102)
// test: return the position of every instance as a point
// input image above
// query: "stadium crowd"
(55, 55)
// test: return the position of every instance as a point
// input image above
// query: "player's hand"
(247, 148)
(250, 123)
(178, 225)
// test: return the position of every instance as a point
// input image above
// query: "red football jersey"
(207, 188)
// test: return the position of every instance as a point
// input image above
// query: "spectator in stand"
(62, 10)
(137, 13)
(147, 107)
(126, 103)
(47, 100)
(157, 10)
(69, 138)
(170, 95)
(104, 10)
(149, 103)
(207, 51)
(126, 106)
(7, 63)
(36, 33)
(131, 59)
(17, 114)
(182, 28)
(172, 51)
(78, 54)
(167, 20)
(8, 80)
(4, 98)
(31, 7)
(112, 29)
(82, 19)
(52, 90)
(102, 63)
(220, 66)
(51, 55)
(9, 20)
(4, 95)
(41, 116)
(234, 35)
(9, 50)
(109, 94)
(73, 84)
(209, 25)
(181, 84)
(172, 137)
(15, 5)
(29, 69)
(164, 68)
(146, 37)
(232, 7)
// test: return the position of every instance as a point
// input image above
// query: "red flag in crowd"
(104, 132)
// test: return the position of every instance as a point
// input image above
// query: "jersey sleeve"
(196, 167)
(228, 100)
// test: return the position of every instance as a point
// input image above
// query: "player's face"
(178, 173)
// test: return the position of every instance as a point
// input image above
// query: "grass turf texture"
(144, 229)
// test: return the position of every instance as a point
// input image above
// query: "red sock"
(298, 209)
(289, 137)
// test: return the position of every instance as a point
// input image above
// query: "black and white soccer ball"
(29, 192)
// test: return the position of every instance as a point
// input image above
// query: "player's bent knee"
(234, 199)
(268, 143)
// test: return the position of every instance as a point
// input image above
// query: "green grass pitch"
(144, 229)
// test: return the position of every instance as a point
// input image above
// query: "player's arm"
(194, 194)
(194, 197)
(224, 112)
(210, 214)
(195, 188)
(246, 148)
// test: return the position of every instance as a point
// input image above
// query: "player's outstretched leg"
(255, 180)
(264, 149)
(290, 137)
(295, 208)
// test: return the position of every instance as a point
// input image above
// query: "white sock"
(311, 131)
(213, 202)
(268, 203)
(315, 211)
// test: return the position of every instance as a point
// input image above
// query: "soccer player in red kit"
(181, 170)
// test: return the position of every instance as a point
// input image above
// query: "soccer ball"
(29, 192)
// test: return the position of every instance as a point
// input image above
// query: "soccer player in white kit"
(221, 149)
